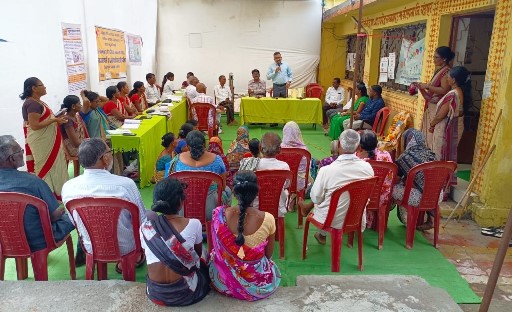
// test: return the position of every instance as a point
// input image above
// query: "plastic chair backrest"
(436, 175)
(198, 184)
(314, 92)
(13, 241)
(271, 183)
(381, 169)
(100, 216)
(359, 192)
(293, 156)
(202, 111)
(380, 119)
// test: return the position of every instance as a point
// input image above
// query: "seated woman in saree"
(198, 159)
(369, 151)
(215, 146)
(238, 148)
(336, 126)
(416, 153)
(124, 91)
(177, 276)
(114, 109)
(92, 114)
(334, 155)
(241, 263)
(44, 153)
(73, 131)
(138, 97)
(165, 157)
(181, 143)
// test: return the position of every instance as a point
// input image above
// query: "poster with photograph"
(111, 53)
(410, 61)
(134, 49)
(75, 59)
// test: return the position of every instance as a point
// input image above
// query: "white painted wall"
(33, 28)
(238, 36)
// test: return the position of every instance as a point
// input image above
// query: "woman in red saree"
(432, 92)
(43, 147)
(138, 96)
(444, 126)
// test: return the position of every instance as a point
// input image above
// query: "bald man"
(203, 98)
(191, 91)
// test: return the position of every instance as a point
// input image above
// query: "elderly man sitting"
(191, 91)
(12, 180)
(347, 168)
(270, 146)
(203, 98)
(96, 157)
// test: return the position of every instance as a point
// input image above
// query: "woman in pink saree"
(243, 242)
(432, 92)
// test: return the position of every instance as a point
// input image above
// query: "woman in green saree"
(337, 120)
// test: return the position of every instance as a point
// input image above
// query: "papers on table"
(132, 121)
(131, 124)
(175, 98)
(118, 131)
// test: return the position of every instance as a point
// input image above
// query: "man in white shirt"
(152, 90)
(96, 181)
(333, 101)
(270, 146)
(223, 96)
(203, 98)
(347, 168)
(191, 91)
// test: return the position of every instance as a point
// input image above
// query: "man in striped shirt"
(203, 98)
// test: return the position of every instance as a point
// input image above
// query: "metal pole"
(498, 263)
(356, 63)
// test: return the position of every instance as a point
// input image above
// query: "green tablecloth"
(282, 110)
(146, 142)
(179, 115)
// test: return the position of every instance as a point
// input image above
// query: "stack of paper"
(176, 98)
(131, 124)
(118, 131)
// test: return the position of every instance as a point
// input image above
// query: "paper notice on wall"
(75, 60)
(351, 61)
(383, 69)
(111, 53)
(134, 49)
(383, 77)
(486, 91)
(391, 65)
(410, 61)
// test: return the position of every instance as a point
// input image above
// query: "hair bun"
(160, 206)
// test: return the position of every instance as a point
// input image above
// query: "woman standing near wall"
(436, 89)
(45, 156)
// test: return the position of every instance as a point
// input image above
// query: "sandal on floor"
(138, 264)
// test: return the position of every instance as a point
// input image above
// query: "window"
(392, 42)
(351, 48)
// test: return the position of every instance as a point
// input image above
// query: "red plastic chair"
(13, 241)
(381, 169)
(100, 216)
(202, 111)
(269, 195)
(314, 92)
(359, 192)
(379, 124)
(309, 85)
(293, 156)
(436, 174)
(198, 184)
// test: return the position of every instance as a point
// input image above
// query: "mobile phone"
(60, 112)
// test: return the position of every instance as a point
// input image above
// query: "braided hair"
(368, 143)
(245, 189)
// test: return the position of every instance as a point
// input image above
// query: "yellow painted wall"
(333, 55)
(492, 185)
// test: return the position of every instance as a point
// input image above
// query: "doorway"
(470, 40)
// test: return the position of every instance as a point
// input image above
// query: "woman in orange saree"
(432, 92)
(45, 156)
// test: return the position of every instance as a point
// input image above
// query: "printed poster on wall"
(134, 49)
(391, 65)
(410, 61)
(111, 53)
(351, 61)
(75, 59)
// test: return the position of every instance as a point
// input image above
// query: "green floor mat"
(464, 174)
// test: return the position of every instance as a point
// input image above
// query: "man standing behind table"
(257, 87)
(152, 90)
(223, 96)
(333, 101)
(281, 75)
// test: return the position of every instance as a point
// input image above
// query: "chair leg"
(89, 267)
(436, 227)
(412, 219)
(360, 248)
(2, 267)
(305, 240)
(71, 256)
(76, 168)
(128, 264)
(277, 230)
(102, 271)
(336, 241)
(21, 268)
(299, 196)
(209, 240)
(40, 265)
(381, 227)
(280, 233)
(350, 242)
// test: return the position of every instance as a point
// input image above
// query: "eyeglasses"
(107, 152)
(20, 151)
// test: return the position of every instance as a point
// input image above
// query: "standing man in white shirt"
(190, 90)
(96, 181)
(223, 96)
(152, 90)
(347, 168)
(281, 75)
(333, 101)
